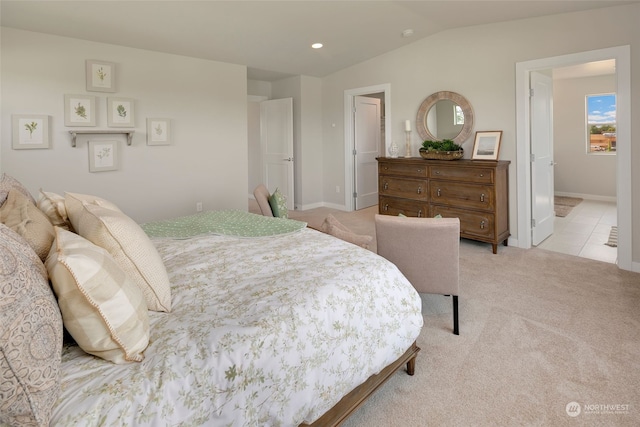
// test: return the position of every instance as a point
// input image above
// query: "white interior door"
(367, 147)
(542, 164)
(276, 143)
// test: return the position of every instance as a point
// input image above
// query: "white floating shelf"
(75, 133)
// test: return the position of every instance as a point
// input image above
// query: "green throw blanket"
(227, 223)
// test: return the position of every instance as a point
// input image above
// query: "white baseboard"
(320, 205)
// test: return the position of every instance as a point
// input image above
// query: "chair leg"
(456, 330)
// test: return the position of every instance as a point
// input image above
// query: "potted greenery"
(441, 150)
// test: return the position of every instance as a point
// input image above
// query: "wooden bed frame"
(352, 401)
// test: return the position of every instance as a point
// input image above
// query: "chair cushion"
(129, 246)
(103, 310)
(23, 217)
(30, 335)
(335, 228)
(278, 203)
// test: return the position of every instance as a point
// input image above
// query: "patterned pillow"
(103, 310)
(131, 249)
(23, 217)
(7, 183)
(30, 335)
(52, 205)
(278, 203)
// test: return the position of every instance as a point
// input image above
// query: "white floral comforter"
(268, 331)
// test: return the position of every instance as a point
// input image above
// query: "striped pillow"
(103, 310)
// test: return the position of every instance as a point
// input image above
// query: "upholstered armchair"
(261, 193)
(426, 251)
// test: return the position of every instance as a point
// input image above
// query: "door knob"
(289, 159)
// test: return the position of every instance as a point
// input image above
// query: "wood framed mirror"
(445, 115)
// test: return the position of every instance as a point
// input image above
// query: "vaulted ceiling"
(272, 38)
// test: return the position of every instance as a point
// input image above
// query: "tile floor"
(585, 231)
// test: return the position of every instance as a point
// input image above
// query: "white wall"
(577, 172)
(206, 101)
(479, 63)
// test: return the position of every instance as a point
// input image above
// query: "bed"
(269, 325)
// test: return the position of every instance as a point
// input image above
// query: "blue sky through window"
(601, 109)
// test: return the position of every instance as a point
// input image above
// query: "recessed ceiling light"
(407, 33)
(316, 45)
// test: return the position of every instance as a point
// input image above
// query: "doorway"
(623, 158)
(382, 92)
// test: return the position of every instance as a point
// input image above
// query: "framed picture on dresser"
(487, 145)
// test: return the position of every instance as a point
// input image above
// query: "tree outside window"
(601, 123)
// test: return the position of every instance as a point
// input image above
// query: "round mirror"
(445, 115)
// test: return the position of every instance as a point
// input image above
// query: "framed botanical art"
(158, 131)
(103, 156)
(120, 113)
(30, 131)
(101, 76)
(487, 145)
(79, 110)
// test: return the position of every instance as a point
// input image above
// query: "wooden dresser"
(476, 191)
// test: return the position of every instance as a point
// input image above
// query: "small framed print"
(158, 131)
(120, 113)
(101, 76)
(486, 145)
(79, 110)
(30, 131)
(103, 156)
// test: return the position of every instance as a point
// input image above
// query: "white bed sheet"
(269, 331)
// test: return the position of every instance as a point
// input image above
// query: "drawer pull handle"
(482, 224)
(482, 197)
(386, 207)
(420, 190)
(386, 185)
(437, 172)
(420, 213)
(419, 170)
(438, 192)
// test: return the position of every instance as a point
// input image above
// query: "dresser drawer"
(476, 175)
(463, 195)
(395, 206)
(415, 189)
(472, 224)
(404, 169)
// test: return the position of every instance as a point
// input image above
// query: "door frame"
(622, 55)
(349, 138)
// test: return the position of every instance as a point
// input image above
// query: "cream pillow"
(103, 310)
(52, 205)
(74, 201)
(30, 335)
(131, 249)
(23, 217)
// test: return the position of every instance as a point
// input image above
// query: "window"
(601, 123)
(458, 115)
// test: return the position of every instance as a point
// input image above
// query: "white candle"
(407, 125)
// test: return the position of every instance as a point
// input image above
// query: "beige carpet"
(538, 330)
(563, 205)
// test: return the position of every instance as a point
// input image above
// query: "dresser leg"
(495, 248)
(506, 242)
